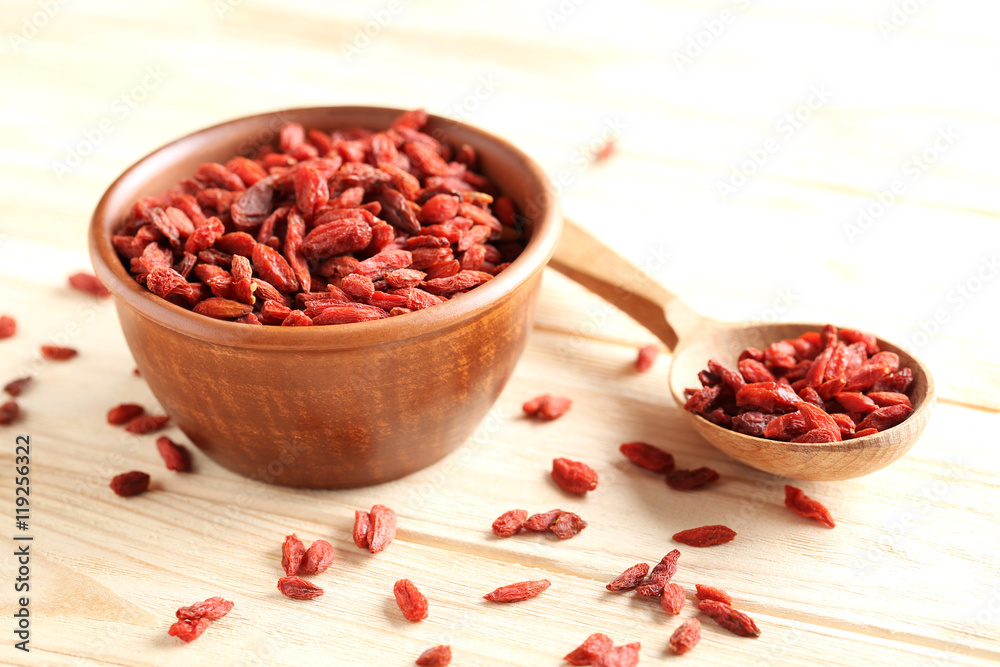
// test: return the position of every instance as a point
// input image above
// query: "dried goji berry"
(89, 283)
(685, 637)
(8, 326)
(573, 476)
(146, 424)
(619, 656)
(686, 480)
(212, 609)
(292, 552)
(130, 483)
(705, 536)
(729, 619)
(189, 630)
(298, 588)
(711, 593)
(362, 521)
(646, 357)
(672, 599)
(648, 457)
(566, 525)
(630, 578)
(886, 417)
(58, 353)
(382, 529)
(124, 413)
(175, 456)
(592, 648)
(542, 521)
(436, 656)
(803, 505)
(660, 575)
(411, 601)
(317, 558)
(16, 387)
(509, 523)
(9, 412)
(522, 590)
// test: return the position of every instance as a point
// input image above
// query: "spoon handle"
(584, 259)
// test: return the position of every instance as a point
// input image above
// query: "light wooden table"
(774, 160)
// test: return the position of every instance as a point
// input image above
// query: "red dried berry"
(686, 480)
(619, 656)
(86, 282)
(712, 593)
(729, 619)
(436, 656)
(8, 326)
(542, 521)
(646, 357)
(189, 630)
(590, 650)
(547, 407)
(523, 590)
(411, 602)
(630, 578)
(298, 588)
(705, 536)
(573, 476)
(175, 456)
(672, 599)
(292, 552)
(686, 636)
(382, 529)
(212, 609)
(16, 387)
(797, 501)
(130, 483)
(509, 523)
(9, 412)
(317, 558)
(124, 413)
(146, 424)
(648, 457)
(362, 521)
(567, 525)
(58, 352)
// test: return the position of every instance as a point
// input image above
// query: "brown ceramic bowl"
(329, 406)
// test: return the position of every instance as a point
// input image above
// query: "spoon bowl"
(694, 339)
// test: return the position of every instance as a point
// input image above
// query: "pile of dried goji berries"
(324, 228)
(820, 387)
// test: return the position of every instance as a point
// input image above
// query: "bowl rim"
(112, 272)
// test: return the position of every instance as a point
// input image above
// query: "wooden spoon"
(694, 339)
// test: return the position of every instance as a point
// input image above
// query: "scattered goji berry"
(672, 598)
(646, 357)
(711, 593)
(509, 523)
(317, 558)
(522, 590)
(130, 483)
(573, 476)
(213, 609)
(298, 588)
(687, 480)
(567, 524)
(436, 656)
(797, 501)
(362, 521)
(619, 656)
(146, 424)
(292, 552)
(189, 630)
(542, 521)
(648, 457)
(590, 650)
(9, 412)
(411, 601)
(547, 407)
(729, 619)
(705, 536)
(16, 387)
(175, 456)
(124, 413)
(58, 352)
(382, 529)
(630, 578)
(8, 326)
(686, 636)
(89, 283)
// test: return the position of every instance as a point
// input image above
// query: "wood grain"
(908, 576)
